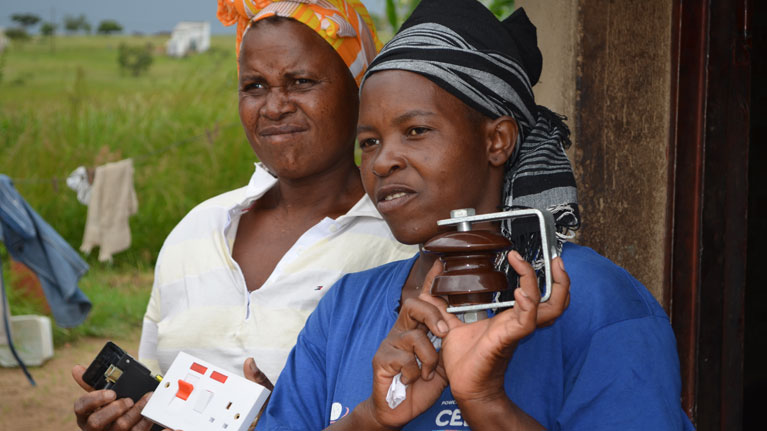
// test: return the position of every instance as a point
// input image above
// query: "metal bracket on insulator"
(463, 219)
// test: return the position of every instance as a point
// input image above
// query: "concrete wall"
(623, 126)
(607, 67)
(556, 21)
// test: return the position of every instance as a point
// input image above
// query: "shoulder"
(364, 287)
(366, 293)
(602, 288)
(210, 214)
(603, 295)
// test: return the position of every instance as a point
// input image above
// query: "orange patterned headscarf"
(344, 24)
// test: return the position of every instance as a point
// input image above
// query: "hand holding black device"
(115, 369)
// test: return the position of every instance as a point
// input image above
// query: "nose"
(388, 159)
(277, 104)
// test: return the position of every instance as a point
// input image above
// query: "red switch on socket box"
(184, 389)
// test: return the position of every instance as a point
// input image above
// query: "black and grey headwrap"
(491, 66)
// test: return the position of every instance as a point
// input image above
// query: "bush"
(134, 59)
(17, 34)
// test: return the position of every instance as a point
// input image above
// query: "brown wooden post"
(710, 194)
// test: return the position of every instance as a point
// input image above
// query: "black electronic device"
(115, 369)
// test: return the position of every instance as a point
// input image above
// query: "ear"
(502, 137)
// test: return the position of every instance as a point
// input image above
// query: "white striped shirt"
(201, 305)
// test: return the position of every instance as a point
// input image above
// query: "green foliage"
(391, 14)
(178, 121)
(2, 66)
(109, 26)
(25, 19)
(397, 11)
(48, 29)
(17, 34)
(119, 300)
(500, 8)
(75, 24)
(134, 59)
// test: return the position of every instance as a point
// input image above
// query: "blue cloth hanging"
(33, 242)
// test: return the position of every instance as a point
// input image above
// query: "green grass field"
(73, 106)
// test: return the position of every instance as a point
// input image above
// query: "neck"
(414, 282)
(330, 193)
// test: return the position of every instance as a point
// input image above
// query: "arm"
(476, 355)
(626, 378)
(473, 358)
(406, 344)
(147, 350)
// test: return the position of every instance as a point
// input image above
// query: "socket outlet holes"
(229, 405)
(212, 419)
(167, 384)
(237, 416)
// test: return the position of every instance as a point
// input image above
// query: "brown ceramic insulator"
(468, 258)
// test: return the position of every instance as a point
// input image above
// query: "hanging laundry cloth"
(78, 181)
(113, 201)
(33, 242)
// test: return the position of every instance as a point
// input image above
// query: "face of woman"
(424, 153)
(298, 101)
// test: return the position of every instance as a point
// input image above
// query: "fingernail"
(431, 375)
(442, 326)
(109, 395)
(561, 264)
(253, 366)
(129, 402)
(515, 255)
(522, 291)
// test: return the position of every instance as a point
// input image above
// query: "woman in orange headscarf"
(344, 24)
(238, 276)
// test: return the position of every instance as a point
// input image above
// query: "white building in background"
(188, 37)
(3, 40)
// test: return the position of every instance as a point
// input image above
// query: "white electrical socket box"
(197, 396)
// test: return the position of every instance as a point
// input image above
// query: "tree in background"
(48, 30)
(17, 34)
(74, 24)
(134, 59)
(26, 20)
(109, 26)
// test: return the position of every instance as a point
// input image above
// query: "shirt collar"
(262, 180)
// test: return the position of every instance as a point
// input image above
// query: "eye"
(303, 83)
(254, 86)
(368, 143)
(416, 131)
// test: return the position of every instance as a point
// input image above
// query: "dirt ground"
(49, 405)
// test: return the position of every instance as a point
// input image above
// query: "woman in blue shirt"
(448, 120)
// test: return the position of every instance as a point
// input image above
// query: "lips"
(284, 129)
(390, 198)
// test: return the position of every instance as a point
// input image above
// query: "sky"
(144, 16)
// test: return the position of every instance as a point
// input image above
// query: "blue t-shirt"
(608, 363)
